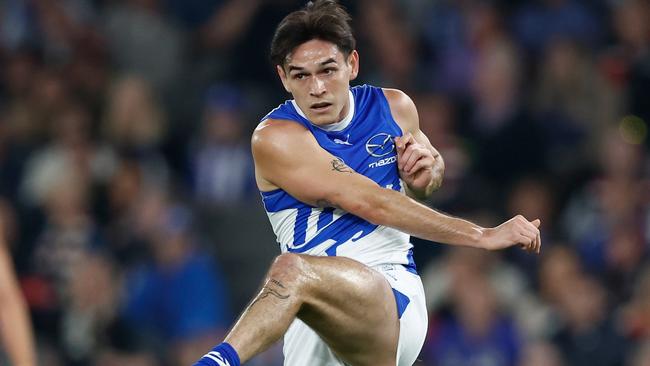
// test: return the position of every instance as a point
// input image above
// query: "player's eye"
(299, 76)
(329, 70)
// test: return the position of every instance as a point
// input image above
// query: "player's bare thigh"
(352, 307)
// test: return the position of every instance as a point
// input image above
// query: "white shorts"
(303, 347)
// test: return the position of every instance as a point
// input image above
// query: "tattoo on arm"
(339, 165)
(272, 288)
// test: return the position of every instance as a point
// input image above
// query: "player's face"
(318, 76)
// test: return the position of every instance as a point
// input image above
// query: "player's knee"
(289, 268)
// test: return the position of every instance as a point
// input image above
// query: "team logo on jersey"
(380, 145)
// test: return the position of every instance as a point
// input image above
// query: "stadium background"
(127, 193)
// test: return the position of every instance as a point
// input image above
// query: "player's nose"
(317, 87)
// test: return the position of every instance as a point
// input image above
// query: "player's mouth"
(320, 107)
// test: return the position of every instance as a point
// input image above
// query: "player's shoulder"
(277, 129)
(402, 107)
(398, 100)
(277, 135)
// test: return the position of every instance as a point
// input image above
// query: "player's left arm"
(420, 165)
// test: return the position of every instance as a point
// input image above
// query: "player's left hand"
(415, 162)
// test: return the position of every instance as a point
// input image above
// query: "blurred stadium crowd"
(128, 198)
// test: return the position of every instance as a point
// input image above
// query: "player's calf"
(271, 312)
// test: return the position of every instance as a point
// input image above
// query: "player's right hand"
(516, 231)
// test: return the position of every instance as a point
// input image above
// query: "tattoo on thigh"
(339, 165)
(270, 290)
(277, 282)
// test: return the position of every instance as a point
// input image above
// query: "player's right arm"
(289, 157)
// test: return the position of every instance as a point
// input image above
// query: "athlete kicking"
(333, 166)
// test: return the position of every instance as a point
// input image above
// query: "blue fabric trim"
(402, 302)
(341, 230)
(411, 264)
(325, 217)
(300, 228)
(278, 200)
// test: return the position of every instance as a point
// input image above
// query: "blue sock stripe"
(231, 353)
(221, 355)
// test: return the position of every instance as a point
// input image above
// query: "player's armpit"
(289, 157)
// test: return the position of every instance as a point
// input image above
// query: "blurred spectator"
(135, 124)
(92, 329)
(476, 333)
(178, 298)
(61, 25)
(71, 150)
(573, 103)
(143, 42)
(541, 354)
(69, 232)
(636, 318)
(509, 284)
(641, 356)
(539, 22)
(221, 159)
(499, 123)
(533, 198)
(11, 161)
(588, 336)
(125, 193)
(18, 75)
(134, 120)
(192, 13)
(249, 39)
(631, 22)
(223, 26)
(394, 48)
(36, 94)
(558, 270)
(456, 35)
(606, 220)
(16, 29)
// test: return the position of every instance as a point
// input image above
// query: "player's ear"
(283, 77)
(353, 62)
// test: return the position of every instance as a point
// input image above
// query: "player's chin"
(322, 119)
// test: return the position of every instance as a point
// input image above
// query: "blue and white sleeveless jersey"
(364, 141)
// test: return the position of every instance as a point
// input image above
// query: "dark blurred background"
(127, 187)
